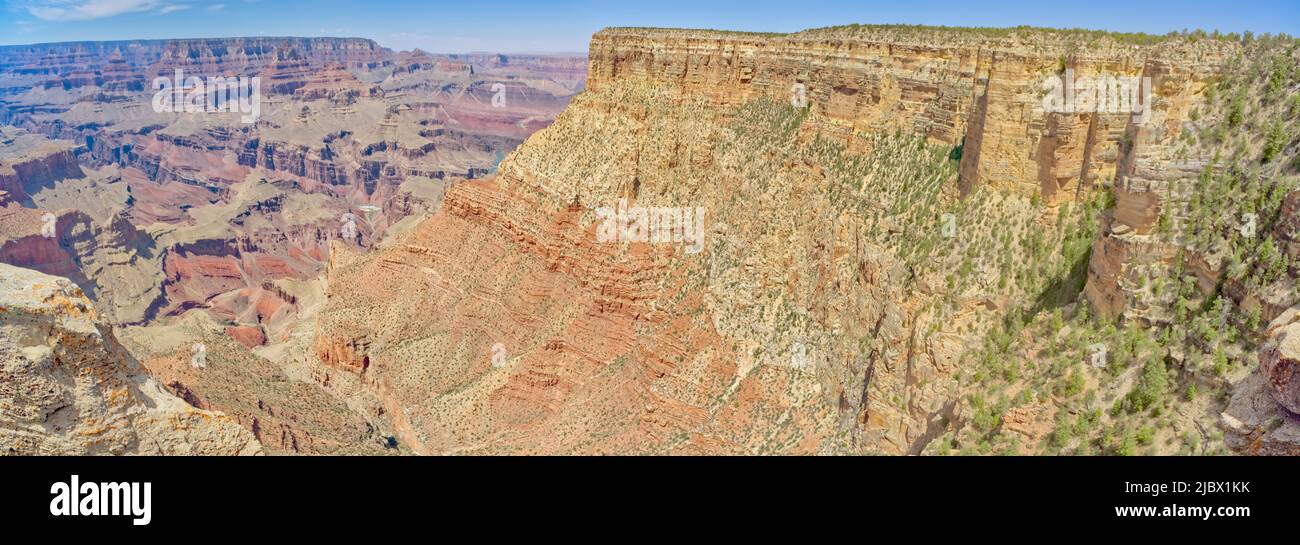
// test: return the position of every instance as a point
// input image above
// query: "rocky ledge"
(68, 388)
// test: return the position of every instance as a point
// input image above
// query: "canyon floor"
(850, 240)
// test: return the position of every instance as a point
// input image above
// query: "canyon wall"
(1172, 180)
(81, 63)
(955, 87)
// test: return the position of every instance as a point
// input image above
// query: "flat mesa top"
(18, 145)
(1015, 38)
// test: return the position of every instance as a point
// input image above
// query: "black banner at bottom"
(931, 496)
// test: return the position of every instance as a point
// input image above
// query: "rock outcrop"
(1263, 417)
(1279, 360)
(287, 414)
(67, 387)
(1254, 424)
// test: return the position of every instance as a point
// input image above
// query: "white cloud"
(216, 7)
(83, 10)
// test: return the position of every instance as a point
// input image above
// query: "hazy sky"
(567, 25)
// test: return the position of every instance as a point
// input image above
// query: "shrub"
(1220, 362)
(1127, 445)
(1276, 139)
(1236, 112)
(1151, 387)
(1146, 435)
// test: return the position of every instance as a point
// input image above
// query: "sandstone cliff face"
(1200, 244)
(1196, 197)
(956, 88)
(67, 387)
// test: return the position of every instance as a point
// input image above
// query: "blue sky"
(567, 25)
